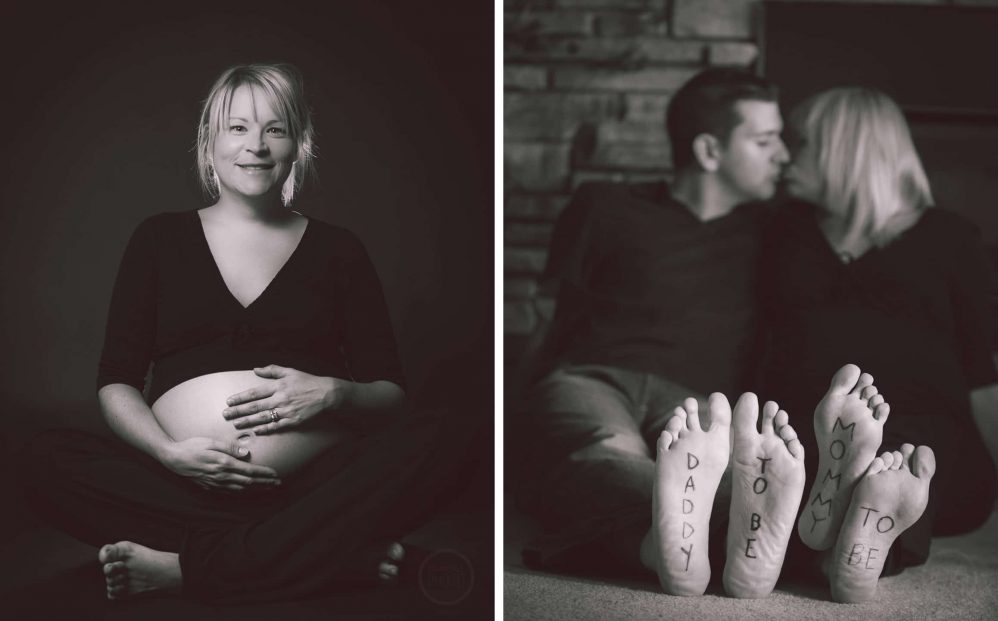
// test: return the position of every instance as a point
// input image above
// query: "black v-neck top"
(916, 314)
(324, 312)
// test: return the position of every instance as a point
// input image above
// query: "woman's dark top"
(324, 312)
(915, 314)
(646, 286)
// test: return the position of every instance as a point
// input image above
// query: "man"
(656, 301)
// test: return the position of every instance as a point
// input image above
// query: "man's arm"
(540, 346)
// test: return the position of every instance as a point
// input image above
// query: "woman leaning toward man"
(863, 269)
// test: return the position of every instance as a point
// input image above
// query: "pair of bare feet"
(131, 569)
(859, 502)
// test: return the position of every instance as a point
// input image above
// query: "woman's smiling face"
(253, 153)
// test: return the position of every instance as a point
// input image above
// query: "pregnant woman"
(863, 269)
(263, 458)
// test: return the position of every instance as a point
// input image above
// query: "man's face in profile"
(754, 155)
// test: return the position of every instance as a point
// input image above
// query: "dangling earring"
(214, 176)
(288, 189)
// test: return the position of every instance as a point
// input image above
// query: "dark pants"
(581, 450)
(307, 537)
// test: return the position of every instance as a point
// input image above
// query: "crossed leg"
(131, 569)
(373, 491)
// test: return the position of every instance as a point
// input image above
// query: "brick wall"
(586, 86)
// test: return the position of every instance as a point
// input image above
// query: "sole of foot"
(689, 465)
(848, 425)
(767, 482)
(889, 498)
(131, 570)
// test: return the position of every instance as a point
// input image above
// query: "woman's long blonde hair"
(871, 173)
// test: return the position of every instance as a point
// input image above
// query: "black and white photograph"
(749, 309)
(575, 310)
(248, 310)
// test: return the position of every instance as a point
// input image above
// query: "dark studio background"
(100, 116)
(99, 111)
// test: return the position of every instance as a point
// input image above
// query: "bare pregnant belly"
(194, 408)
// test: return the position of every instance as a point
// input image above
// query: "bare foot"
(131, 569)
(388, 569)
(688, 469)
(767, 484)
(849, 425)
(889, 498)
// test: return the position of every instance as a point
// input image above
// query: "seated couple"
(668, 294)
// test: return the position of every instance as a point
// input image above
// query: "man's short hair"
(706, 105)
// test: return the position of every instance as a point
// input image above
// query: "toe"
(768, 416)
(692, 414)
(887, 458)
(796, 448)
(923, 462)
(116, 567)
(906, 452)
(876, 400)
(677, 423)
(108, 553)
(864, 380)
(789, 436)
(782, 420)
(881, 412)
(115, 580)
(388, 569)
(396, 552)
(746, 413)
(786, 431)
(844, 379)
(665, 440)
(720, 411)
(898, 460)
(868, 392)
(876, 466)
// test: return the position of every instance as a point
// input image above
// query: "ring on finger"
(274, 416)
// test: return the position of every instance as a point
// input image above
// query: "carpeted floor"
(959, 582)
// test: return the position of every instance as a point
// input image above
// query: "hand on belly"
(194, 408)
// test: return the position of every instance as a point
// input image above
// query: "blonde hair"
(870, 170)
(282, 85)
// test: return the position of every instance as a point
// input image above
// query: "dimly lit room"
(103, 105)
(622, 313)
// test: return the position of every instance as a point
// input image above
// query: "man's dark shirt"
(644, 285)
